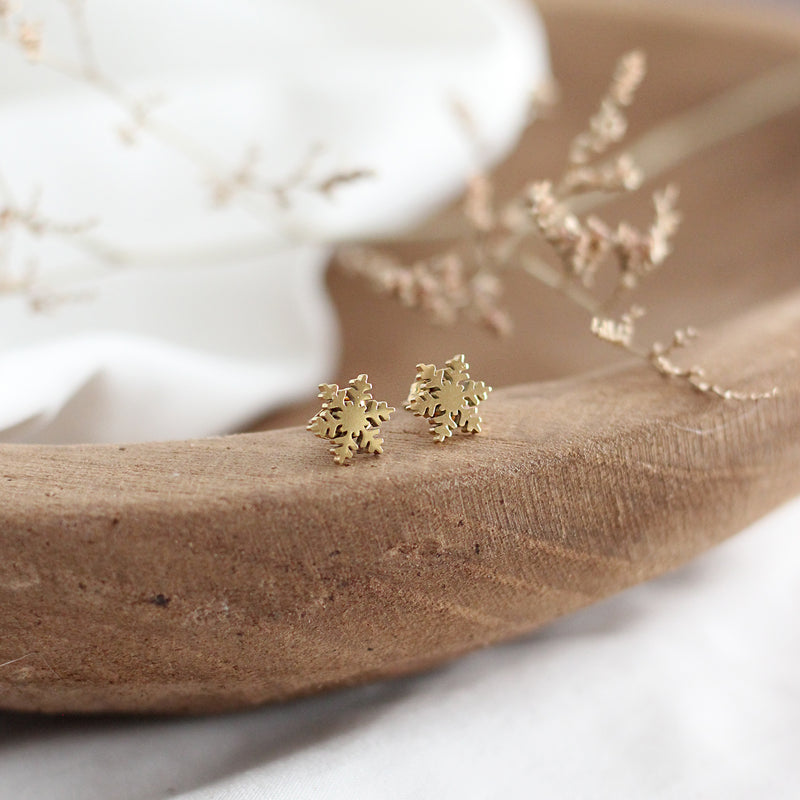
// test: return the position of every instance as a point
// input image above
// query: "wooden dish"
(221, 573)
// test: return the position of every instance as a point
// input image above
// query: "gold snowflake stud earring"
(350, 419)
(447, 398)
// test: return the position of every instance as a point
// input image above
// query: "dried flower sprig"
(35, 223)
(29, 219)
(659, 356)
(609, 125)
(506, 238)
(584, 245)
(441, 286)
(255, 193)
(28, 36)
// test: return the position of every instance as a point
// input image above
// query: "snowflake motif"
(350, 418)
(447, 398)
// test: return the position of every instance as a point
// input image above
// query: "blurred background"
(173, 187)
(173, 190)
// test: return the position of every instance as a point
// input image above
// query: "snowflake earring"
(350, 418)
(447, 398)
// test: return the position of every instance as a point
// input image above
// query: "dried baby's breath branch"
(659, 356)
(303, 178)
(583, 247)
(40, 298)
(618, 175)
(729, 113)
(441, 287)
(620, 332)
(28, 36)
(26, 282)
(242, 183)
(44, 300)
(224, 189)
(29, 217)
(33, 222)
(606, 128)
(140, 111)
(501, 239)
(16, 218)
(638, 254)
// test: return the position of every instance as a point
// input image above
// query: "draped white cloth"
(175, 317)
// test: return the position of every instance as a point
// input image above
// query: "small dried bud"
(29, 38)
(616, 332)
(450, 269)
(629, 74)
(590, 249)
(127, 135)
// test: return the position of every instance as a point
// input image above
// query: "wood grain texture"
(222, 573)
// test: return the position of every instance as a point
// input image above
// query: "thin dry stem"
(83, 39)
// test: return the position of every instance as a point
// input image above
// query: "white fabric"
(223, 305)
(686, 687)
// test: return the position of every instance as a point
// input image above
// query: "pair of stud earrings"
(350, 418)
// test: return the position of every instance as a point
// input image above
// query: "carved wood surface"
(222, 573)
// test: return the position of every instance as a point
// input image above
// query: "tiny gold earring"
(350, 419)
(447, 398)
